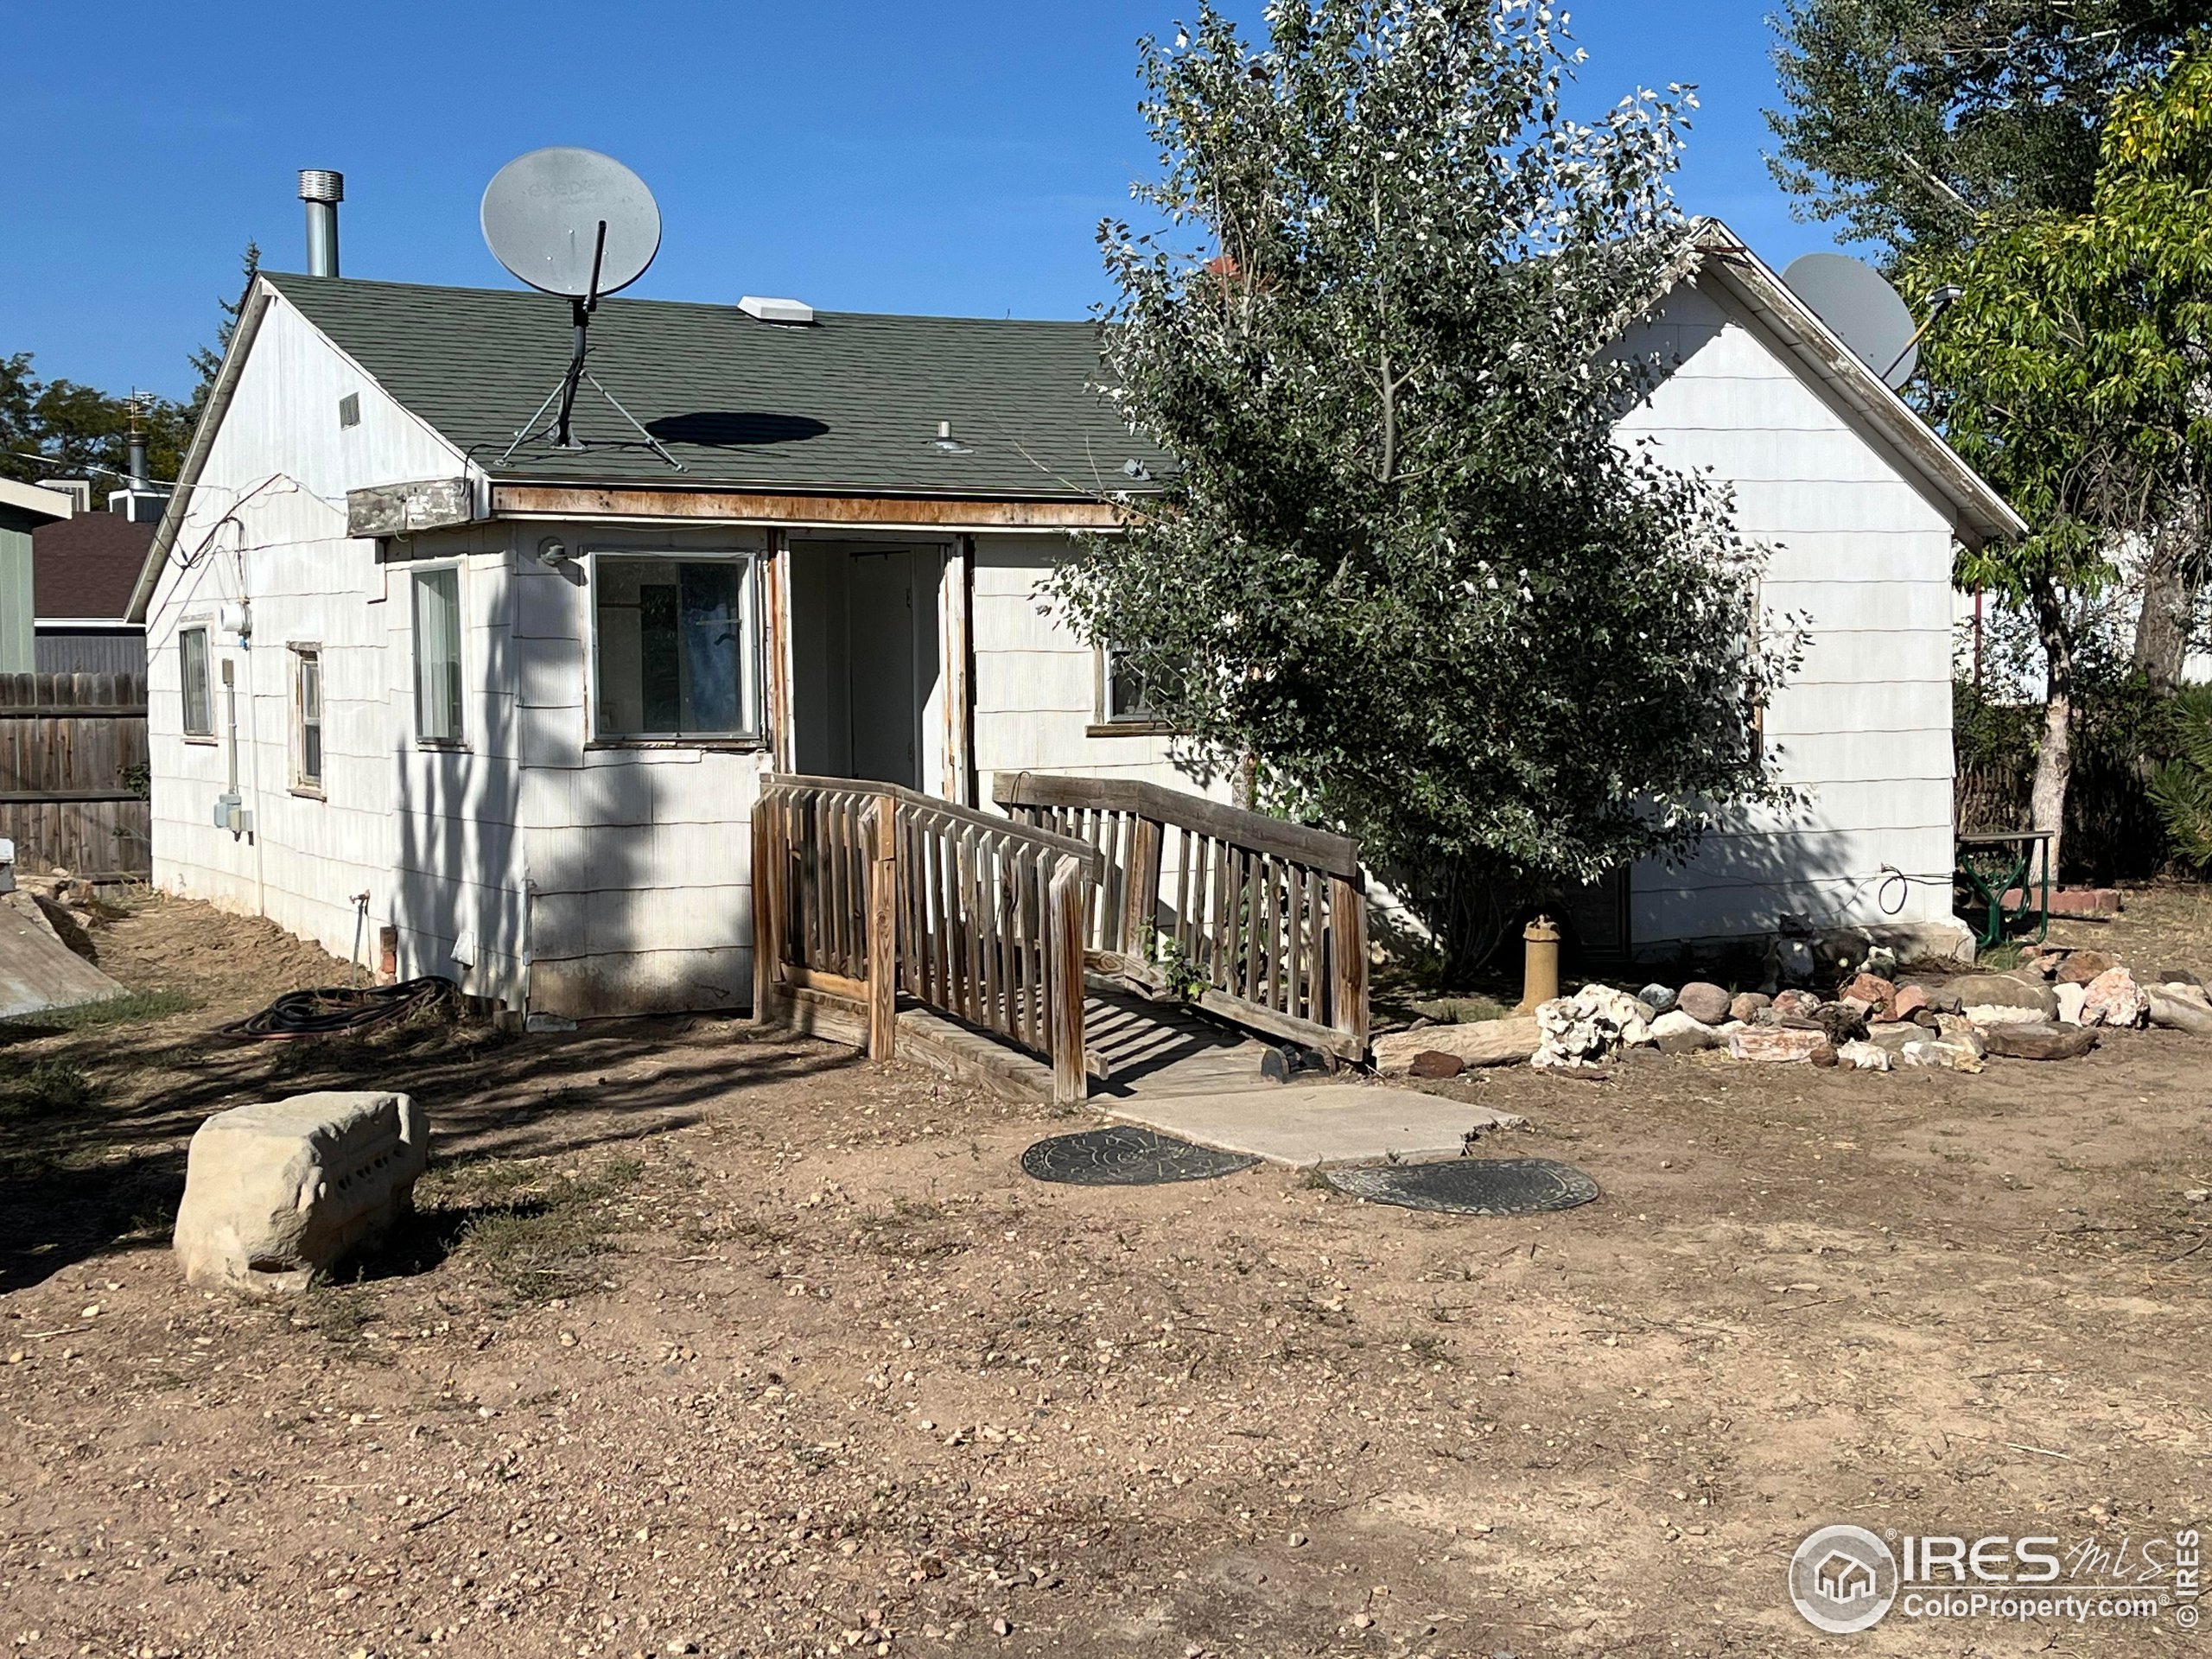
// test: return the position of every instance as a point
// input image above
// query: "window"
(1124, 699)
(306, 718)
(199, 704)
(676, 647)
(349, 409)
(437, 656)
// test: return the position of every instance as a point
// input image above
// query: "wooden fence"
(863, 890)
(1264, 920)
(74, 774)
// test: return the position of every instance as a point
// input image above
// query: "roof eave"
(1979, 513)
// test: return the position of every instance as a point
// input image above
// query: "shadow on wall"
(579, 889)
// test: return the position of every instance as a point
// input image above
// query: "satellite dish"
(581, 225)
(571, 222)
(1863, 310)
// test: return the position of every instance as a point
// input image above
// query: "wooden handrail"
(1261, 922)
(1316, 848)
(864, 890)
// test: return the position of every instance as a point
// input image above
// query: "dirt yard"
(707, 1343)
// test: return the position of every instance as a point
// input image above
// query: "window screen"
(437, 656)
(677, 647)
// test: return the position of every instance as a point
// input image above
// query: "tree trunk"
(2054, 754)
(2171, 579)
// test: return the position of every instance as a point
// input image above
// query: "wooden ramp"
(1145, 1050)
(1115, 940)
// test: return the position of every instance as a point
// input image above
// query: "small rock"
(1747, 1006)
(1801, 1004)
(2080, 967)
(2041, 1042)
(1961, 1032)
(1940, 1056)
(1879, 997)
(2070, 1000)
(1660, 997)
(1677, 1034)
(2199, 1195)
(1864, 1057)
(1824, 1056)
(2181, 977)
(2176, 1013)
(1781, 1045)
(1298, 1541)
(1986, 1014)
(1001, 1627)
(1843, 1022)
(1894, 1034)
(1908, 1001)
(2114, 999)
(1704, 1001)
(1433, 1063)
(2002, 989)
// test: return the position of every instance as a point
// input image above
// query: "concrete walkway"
(1307, 1124)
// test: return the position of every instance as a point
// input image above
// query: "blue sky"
(871, 154)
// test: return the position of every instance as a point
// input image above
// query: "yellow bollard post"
(1540, 972)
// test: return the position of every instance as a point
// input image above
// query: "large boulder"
(1509, 1042)
(276, 1192)
(1704, 1001)
(1998, 990)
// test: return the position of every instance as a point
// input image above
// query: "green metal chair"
(1995, 862)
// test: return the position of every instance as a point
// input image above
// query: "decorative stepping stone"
(1122, 1155)
(1470, 1186)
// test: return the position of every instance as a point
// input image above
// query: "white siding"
(267, 524)
(1036, 688)
(1865, 728)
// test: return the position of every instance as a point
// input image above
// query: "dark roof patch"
(850, 404)
(86, 565)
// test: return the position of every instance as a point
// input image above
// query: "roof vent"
(772, 310)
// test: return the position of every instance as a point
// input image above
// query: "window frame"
(1109, 722)
(306, 653)
(752, 592)
(206, 682)
(459, 741)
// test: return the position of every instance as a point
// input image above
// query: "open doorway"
(864, 660)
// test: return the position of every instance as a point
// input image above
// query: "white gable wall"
(1865, 728)
(266, 523)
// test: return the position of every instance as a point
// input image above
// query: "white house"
(505, 708)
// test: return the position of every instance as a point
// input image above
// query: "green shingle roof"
(849, 404)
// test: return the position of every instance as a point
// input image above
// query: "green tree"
(1925, 123)
(207, 360)
(2072, 371)
(1401, 566)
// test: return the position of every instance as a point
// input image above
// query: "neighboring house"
(25, 509)
(514, 708)
(87, 565)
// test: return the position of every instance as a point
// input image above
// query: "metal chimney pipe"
(138, 479)
(322, 190)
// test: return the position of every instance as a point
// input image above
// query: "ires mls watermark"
(1845, 1579)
